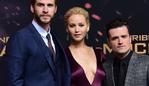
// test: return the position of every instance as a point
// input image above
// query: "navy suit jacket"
(30, 62)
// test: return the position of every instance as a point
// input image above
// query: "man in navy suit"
(30, 59)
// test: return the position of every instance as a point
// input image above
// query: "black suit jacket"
(30, 62)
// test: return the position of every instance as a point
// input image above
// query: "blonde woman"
(85, 61)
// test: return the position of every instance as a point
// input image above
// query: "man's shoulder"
(24, 30)
(142, 57)
(22, 33)
(109, 59)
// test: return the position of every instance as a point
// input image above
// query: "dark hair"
(115, 23)
(34, 1)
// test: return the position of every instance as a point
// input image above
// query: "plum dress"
(78, 77)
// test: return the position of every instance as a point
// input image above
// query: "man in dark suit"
(33, 59)
(123, 66)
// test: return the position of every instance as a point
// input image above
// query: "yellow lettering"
(106, 48)
(140, 50)
(3, 51)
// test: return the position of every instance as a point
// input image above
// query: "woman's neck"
(77, 45)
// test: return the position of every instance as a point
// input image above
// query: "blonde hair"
(76, 10)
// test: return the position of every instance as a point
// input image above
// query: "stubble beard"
(41, 20)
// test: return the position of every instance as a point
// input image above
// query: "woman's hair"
(76, 10)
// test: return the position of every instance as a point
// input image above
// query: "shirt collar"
(41, 30)
(125, 60)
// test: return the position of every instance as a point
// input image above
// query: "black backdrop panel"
(15, 14)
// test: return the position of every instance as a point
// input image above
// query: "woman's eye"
(81, 25)
(71, 25)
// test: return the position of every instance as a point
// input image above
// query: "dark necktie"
(50, 46)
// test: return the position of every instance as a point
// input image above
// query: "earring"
(67, 37)
(86, 36)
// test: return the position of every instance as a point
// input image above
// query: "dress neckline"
(78, 65)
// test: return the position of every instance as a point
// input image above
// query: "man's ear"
(130, 39)
(55, 9)
(32, 8)
(67, 30)
(108, 43)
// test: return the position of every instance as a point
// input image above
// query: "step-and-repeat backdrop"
(15, 14)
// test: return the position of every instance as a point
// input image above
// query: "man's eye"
(40, 4)
(114, 38)
(50, 5)
(124, 36)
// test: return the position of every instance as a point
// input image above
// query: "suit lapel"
(43, 48)
(59, 49)
(109, 71)
(133, 64)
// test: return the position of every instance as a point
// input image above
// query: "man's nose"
(120, 40)
(45, 9)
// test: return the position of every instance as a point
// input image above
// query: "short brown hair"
(34, 1)
(115, 23)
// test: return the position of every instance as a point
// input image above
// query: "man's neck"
(45, 26)
(121, 56)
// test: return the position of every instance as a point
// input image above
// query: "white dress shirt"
(44, 33)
